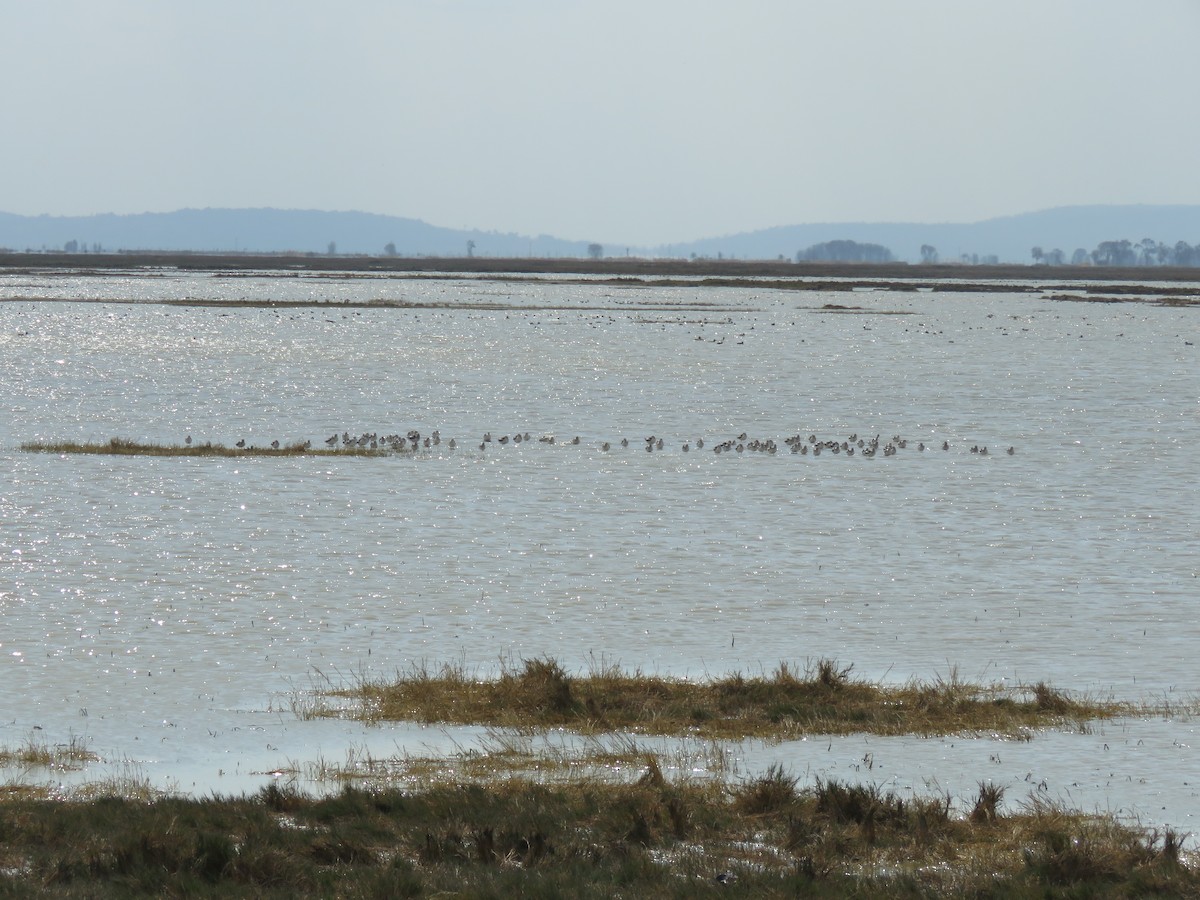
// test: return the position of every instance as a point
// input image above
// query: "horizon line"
(547, 236)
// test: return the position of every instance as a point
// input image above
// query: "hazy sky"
(635, 121)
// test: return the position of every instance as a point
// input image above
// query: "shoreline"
(1169, 287)
(16, 263)
(588, 834)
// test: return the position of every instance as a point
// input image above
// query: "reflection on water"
(162, 606)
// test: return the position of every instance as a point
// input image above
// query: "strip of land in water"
(1116, 284)
(125, 447)
(372, 444)
(1069, 284)
(783, 705)
(342, 265)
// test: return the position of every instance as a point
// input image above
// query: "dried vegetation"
(650, 836)
(125, 447)
(824, 699)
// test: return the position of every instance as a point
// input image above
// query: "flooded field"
(169, 611)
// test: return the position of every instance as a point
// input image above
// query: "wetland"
(172, 620)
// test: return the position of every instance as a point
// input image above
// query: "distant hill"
(1009, 238)
(269, 231)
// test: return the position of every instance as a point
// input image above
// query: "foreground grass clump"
(124, 447)
(765, 837)
(824, 700)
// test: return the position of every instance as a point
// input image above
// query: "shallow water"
(166, 608)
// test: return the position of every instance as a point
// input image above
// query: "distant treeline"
(845, 251)
(1123, 254)
(1146, 252)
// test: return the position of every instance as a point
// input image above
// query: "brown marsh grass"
(825, 699)
(765, 836)
(126, 447)
(505, 755)
(35, 753)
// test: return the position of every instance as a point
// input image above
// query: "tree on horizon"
(845, 251)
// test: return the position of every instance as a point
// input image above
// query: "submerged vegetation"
(825, 699)
(761, 837)
(35, 753)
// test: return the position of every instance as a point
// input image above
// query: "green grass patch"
(824, 699)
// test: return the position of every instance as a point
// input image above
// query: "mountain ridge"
(1007, 238)
(270, 230)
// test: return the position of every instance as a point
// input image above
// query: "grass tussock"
(764, 837)
(825, 699)
(126, 447)
(36, 753)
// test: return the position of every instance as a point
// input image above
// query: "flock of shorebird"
(743, 443)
